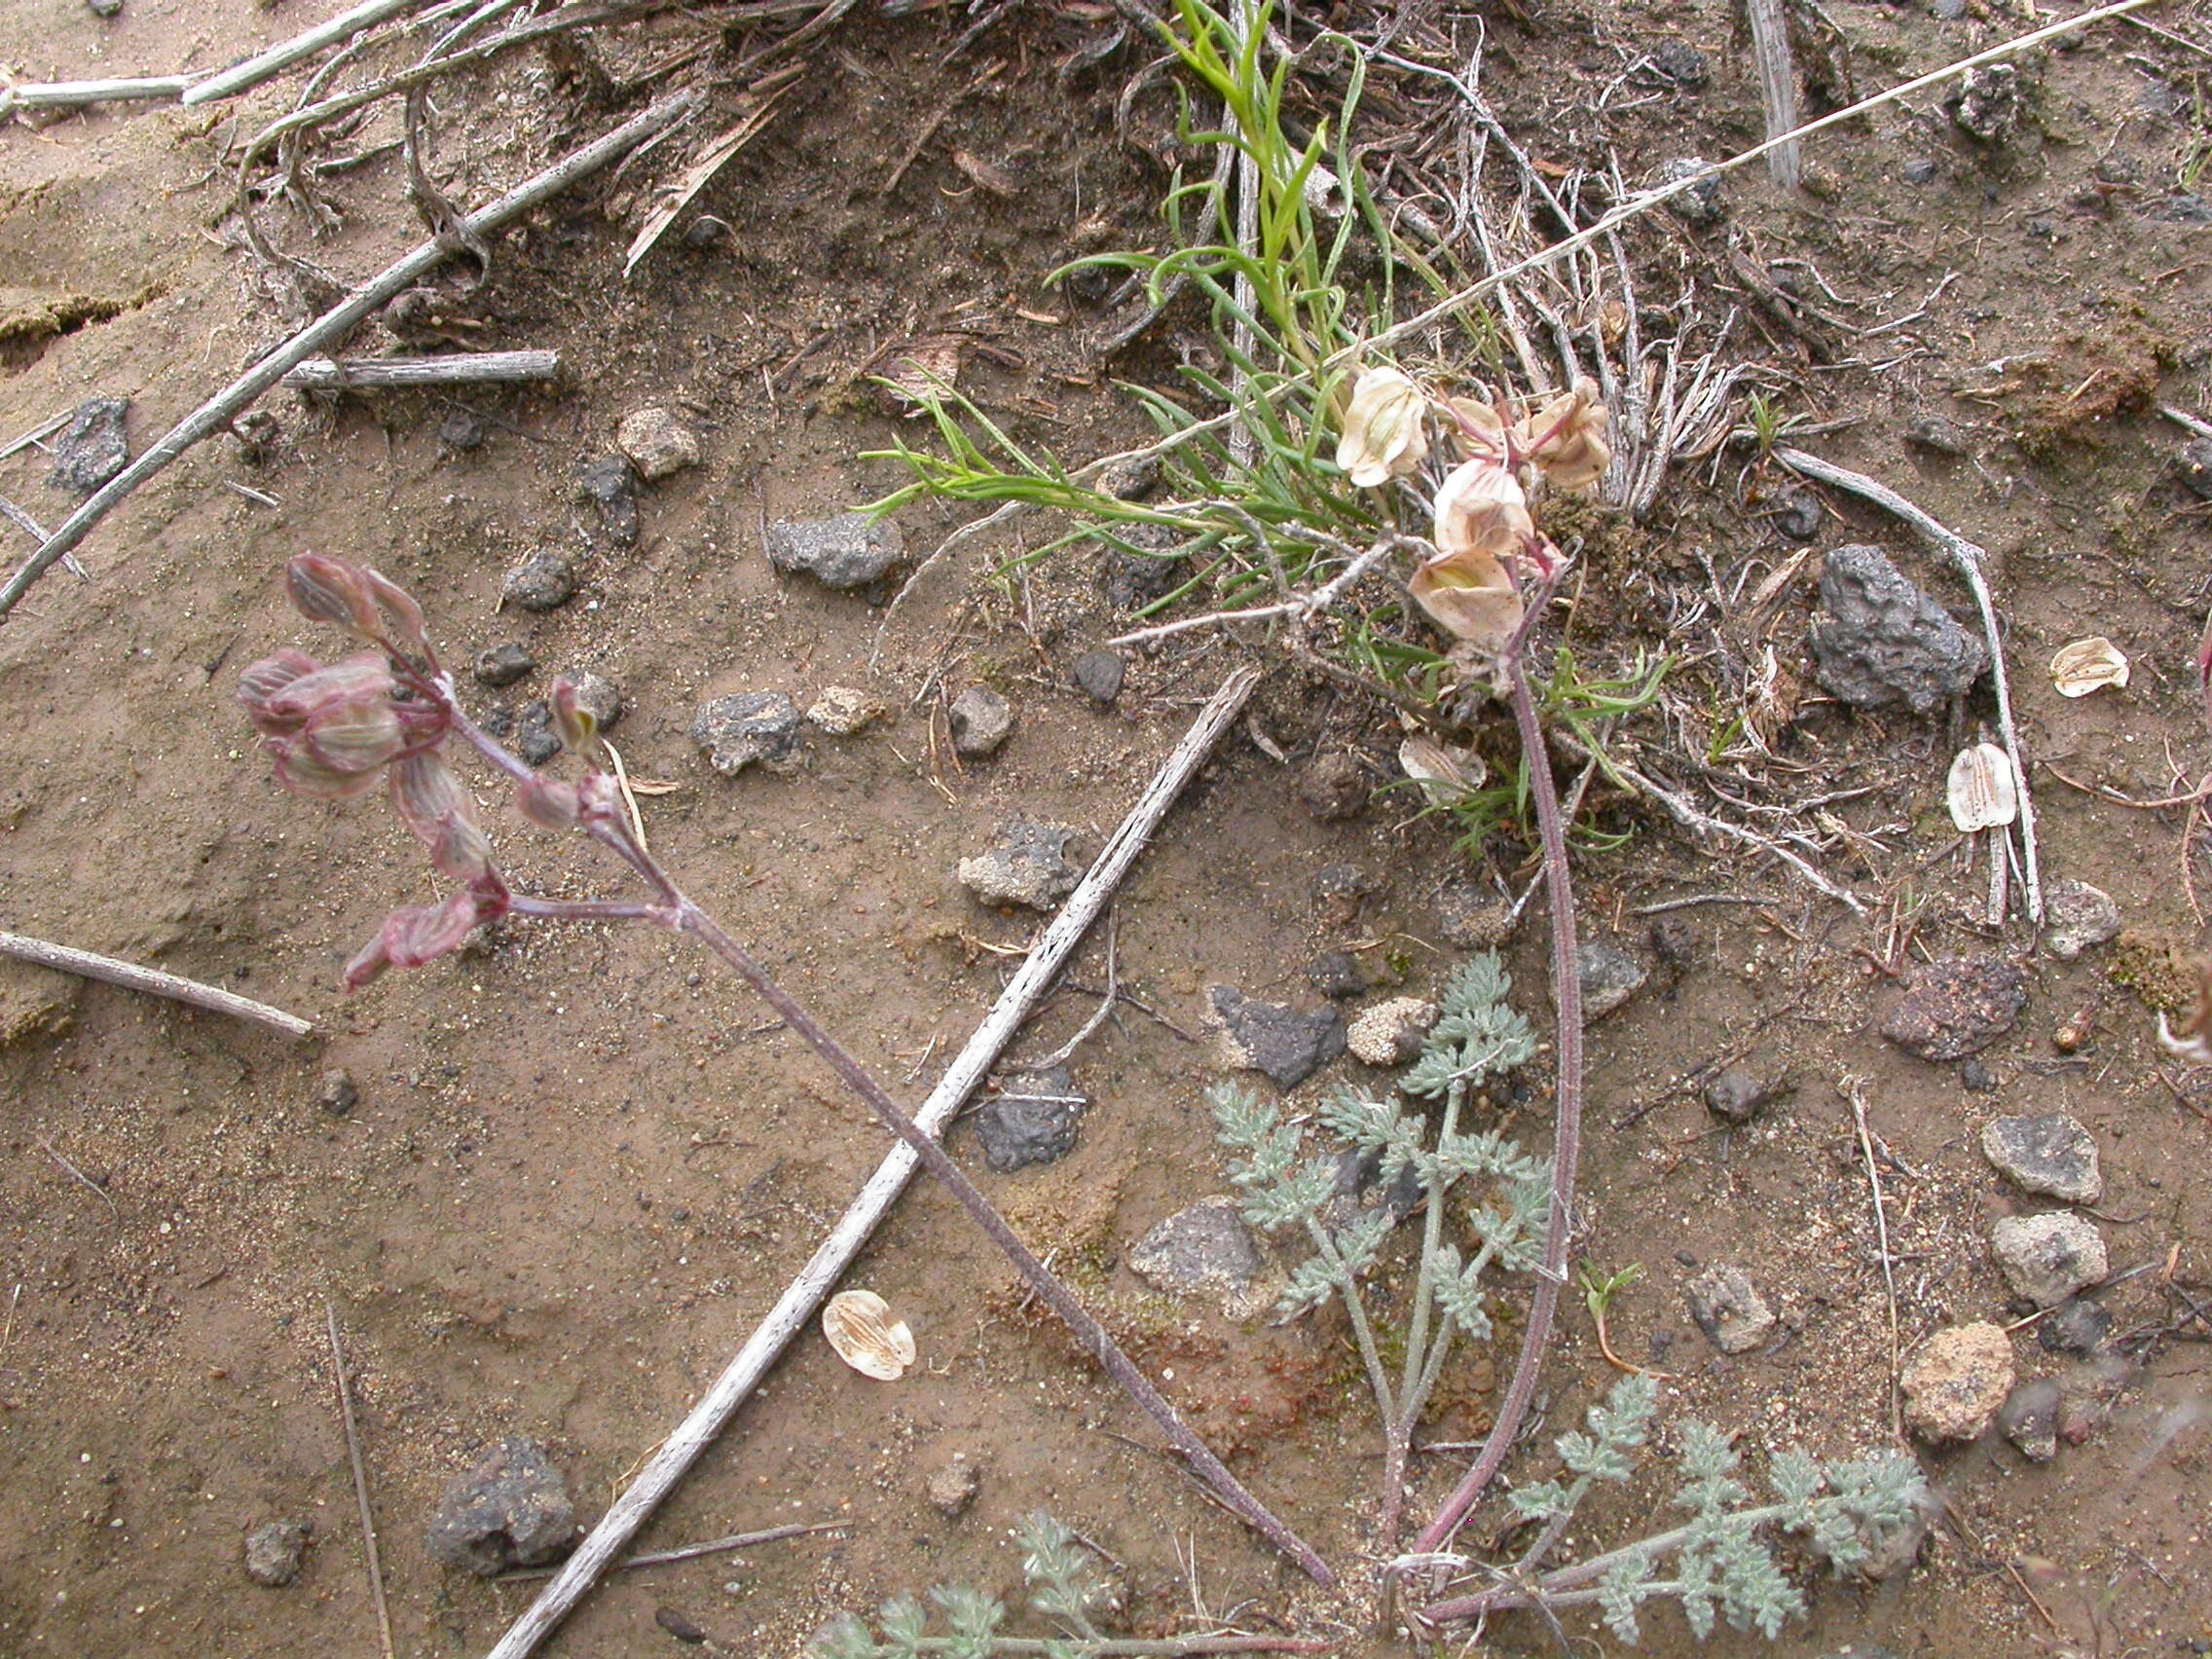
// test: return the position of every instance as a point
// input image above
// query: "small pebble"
(92, 448)
(1920, 171)
(657, 442)
(705, 231)
(982, 722)
(1956, 1006)
(2047, 1258)
(679, 1627)
(2029, 1418)
(103, 7)
(2196, 468)
(752, 727)
(1682, 63)
(1702, 204)
(2075, 1325)
(535, 737)
(510, 1508)
(2050, 1154)
(953, 1487)
(1974, 1075)
(1334, 787)
(1098, 675)
(1956, 1382)
(1736, 1096)
(1609, 976)
(1027, 864)
(611, 484)
(1031, 1118)
(847, 551)
(545, 582)
(273, 1551)
(1799, 516)
(2076, 917)
(339, 1096)
(1987, 102)
(1337, 973)
(503, 664)
(462, 430)
(1734, 1317)
(1341, 891)
(841, 711)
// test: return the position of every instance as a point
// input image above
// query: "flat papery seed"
(859, 1326)
(1444, 774)
(1982, 793)
(2084, 666)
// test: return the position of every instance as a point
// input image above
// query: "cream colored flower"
(1566, 437)
(1470, 597)
(1482, 510)
(1385, 432)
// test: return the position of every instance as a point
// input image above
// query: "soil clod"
(1734, 1317)
(503, 664)
(1032, 1120)
(1098, 675)
(844, 712)
(2029, 1418)
(1956, 1006)
(1735, 1095)
(1334, 787)
(1956, 1382)
(1204, 1250)
(2077, 1325)
(2075, 917)
(611, 484)
(953, 1487)
(981, 720)
(1609, 975)
(657, 442)
(1391, 1033)
(544, 583)
(339, 1096)
(1027, 864)
(2047, 1258)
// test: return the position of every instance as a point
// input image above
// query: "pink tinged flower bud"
(402, 615)
(1386, 431)
(353, 736)
(422, 932)
(428, 795)
(266, 679)
(460, 853)
(548, 803)
(354, 679)
(304, 772)
(323, 589)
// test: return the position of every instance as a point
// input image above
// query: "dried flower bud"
(578, 726)
(428, 795)
(304, 772)
(1482, 510)
(548, 803)
(1566, 437)
(323, 589)
(1470, 597)
(1386, 431)
(1476, 427)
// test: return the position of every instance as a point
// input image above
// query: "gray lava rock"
(1284, 1043)
(612, 485)
(1206, 1251)
(2077, 916)
(1956, 1382)
(1027, 865)
(1098, 675)
(1470, 916)
(462, 430)
(1974, 1075)
(92, 448)
(1798, 515)
(1610, 977)
(1132, 481)
(597, 696)
(1933, 432)
(2196, 468)
(273, 1551)
(1031, 1120)
(1131, 580)
(2047, 1258)
(1946, 11)
(1334, 786)
(1392, 1032)
(1987, 102)
(2077, 1325)
(1919, 170)
(1883, 642)
(1734, 1317)
(847, 551)
(503, 665)
(1735, 1096)
(544, 583)
(1681, 63)
(1956, 1006)
(753, 726)
(1336, 973)
(339, 1096)
(981, 721)
(2029, 1418)
(657, 442)
(2049, 1154)
(705, 231)
(509, 1509)
(1701, 205)
(535, 737)
(1359, 1191)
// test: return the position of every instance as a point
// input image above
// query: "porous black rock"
(2049, 1153)
(846, 551)
(503, 664)
(545, 581)
(611, 484)
(1098, 675)
(1956, 1006)
(1881, 641)
(1032, 1118)
(510, 1508)
(273, 1551)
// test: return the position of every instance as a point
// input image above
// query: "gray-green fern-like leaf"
(1310, 1285)
(1540, 1500)
(1621, 1591)
(844, 1638)
(1459, 1293)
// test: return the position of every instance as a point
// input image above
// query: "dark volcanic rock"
(1956, 1006)
(1032, 1118)
(545, 582)
(611, 484)
(1336, 973)
(1285, 1042)
(1098, 675)
(2050, 1153)
(753, 726)
(1883, 642)
(509, 1509)
(273, 1551)
(503, 665)
(2075, 1325)
(94, 447)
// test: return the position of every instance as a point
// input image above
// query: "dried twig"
(1301, 608)
(691, 1552)
(75, 94)
(696, 178)
(219, 411)
(796, 1306)
(94, 1187)
(1854, 1092)
(360, 1477)
(268, 65)
(466, 368)
(1969, 559)
(131, 976)
(1778, 87)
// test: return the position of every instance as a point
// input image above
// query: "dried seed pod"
(1983, 793)
(860, 1327)
(1445, 774)
(2084, 665)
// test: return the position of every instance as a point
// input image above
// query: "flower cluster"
(1488, 546)
(382, 717)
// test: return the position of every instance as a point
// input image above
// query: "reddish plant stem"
(1567, 1135)
(678, 912)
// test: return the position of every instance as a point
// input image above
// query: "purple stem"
(1567, 1135)
(677, 911)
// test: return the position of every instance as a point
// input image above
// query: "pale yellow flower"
(1566, 437)
(1385, 432)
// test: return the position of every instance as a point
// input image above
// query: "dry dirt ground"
(582, 1161)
